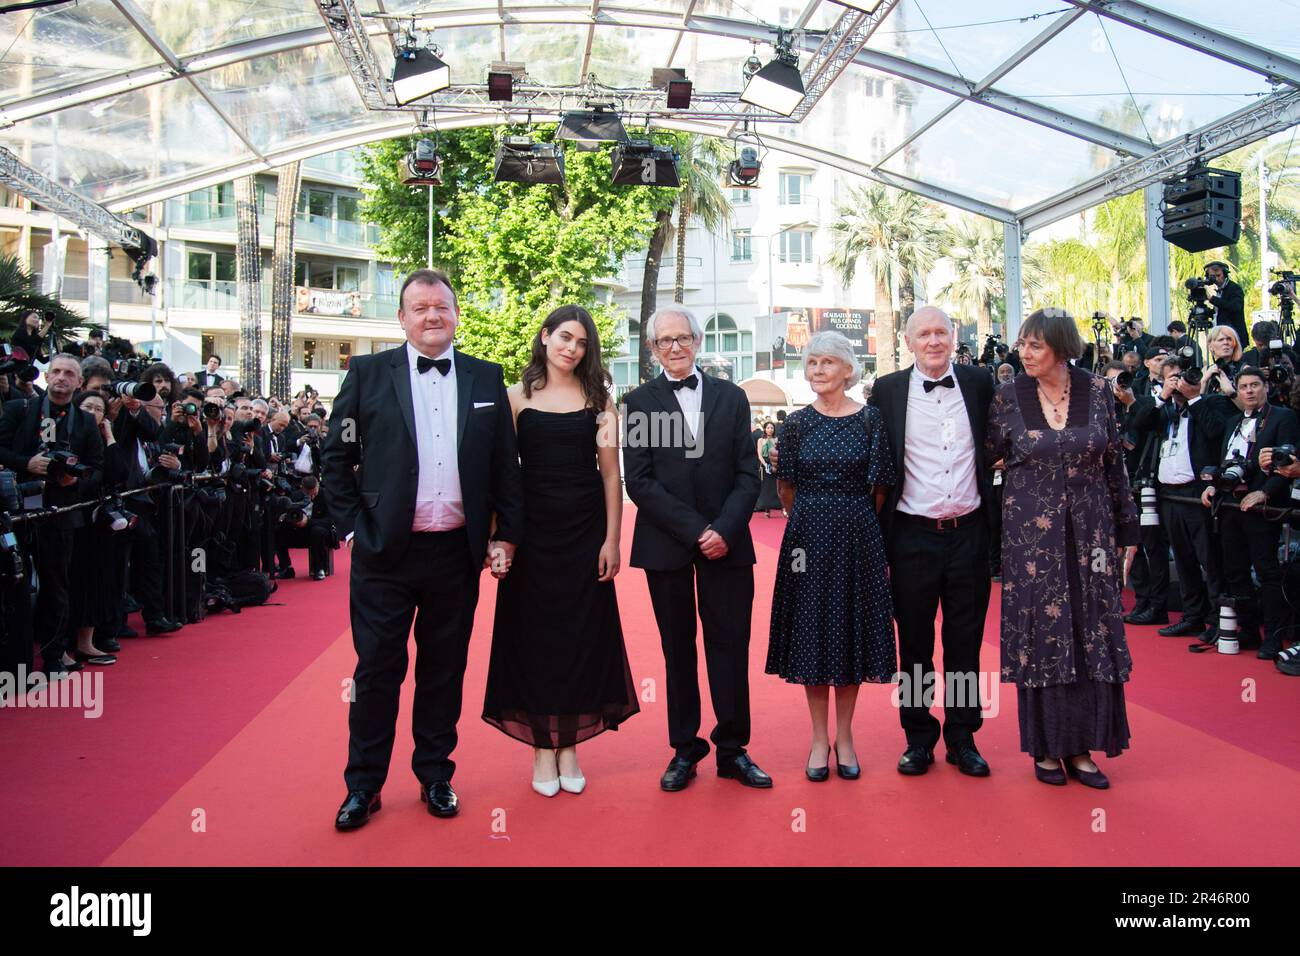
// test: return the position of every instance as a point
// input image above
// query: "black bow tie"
(946, 382)
(690, 381)
(423, 364)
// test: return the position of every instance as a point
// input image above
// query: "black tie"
(946, 382)
(690, 381)
(423, 364)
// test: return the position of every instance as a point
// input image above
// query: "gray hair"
(697, 330)
(835, 345)
(261, 403)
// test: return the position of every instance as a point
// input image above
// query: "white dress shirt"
(438, 502)
(689, 399)
(1176, 452)
(939, 479)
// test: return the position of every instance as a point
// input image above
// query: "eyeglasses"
(681, 341)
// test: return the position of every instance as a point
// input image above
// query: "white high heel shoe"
(547, 788)
(573, 784)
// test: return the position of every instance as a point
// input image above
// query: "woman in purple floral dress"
(1067, 514)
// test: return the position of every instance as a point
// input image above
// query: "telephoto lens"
(1193, 376)
(1229, 642)
(1150, 517)
(144, 391)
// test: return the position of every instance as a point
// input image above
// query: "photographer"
(303, 521)
(50, 439)
(32, 336)
(1248, 539)
(1276, 360)
(1186, 431)
(1149, 570)
(1225, 354)
(1181, 340)
(1148, 381)
(1129, 336)
(310, 439)
(1282, 461)
(1227, 299)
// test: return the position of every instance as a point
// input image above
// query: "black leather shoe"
(915, 761)
(1140, 608)
(1055, 776)
(442, 800)
(125, 632)
(678, 775)
(1211, 635)
(285, 574)
(1089, 778)
(745, 770)
(109, 645)
(162, 626)
(1147, 616)
(819, 774)
(1269, 650)
(318, 576)
(356, 809)
(1184, 628)
(968, 761)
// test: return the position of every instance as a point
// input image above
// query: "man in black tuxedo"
(1248, 539)
(689, 469)
(29, 430)
(937, 528)
(429, 432)
(209, 377)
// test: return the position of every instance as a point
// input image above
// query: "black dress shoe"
(1089, 778)
(846, 771)
(968, 760)
(678, 775)
(442, 800)
(819, 774)
(1269, 650)
(1055, 776)
(162, 626)
(745, 770)
(124, 632)
(1147, 616)
(285, 574)
(915, 761)
(110, 645)
(1140, 608)
(1184, 628)
(356, 809)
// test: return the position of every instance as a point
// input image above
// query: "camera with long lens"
(158, 473)
(16, 496)
(991, 343)
(1230, 475)
(1124, 379)
(212, 411)
(190, 407)
(286, 508)
(63, 462)
(17, 362)
(1148, 506)
(1200, 316)
(129, 388)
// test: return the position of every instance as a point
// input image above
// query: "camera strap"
(72, 419)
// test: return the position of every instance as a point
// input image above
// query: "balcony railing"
(220, 217)
(222, 296)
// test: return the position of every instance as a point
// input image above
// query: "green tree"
(700, 197)
(979, 270)
(514, 251)
(20, 293)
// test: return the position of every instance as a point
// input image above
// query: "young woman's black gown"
(559, 673)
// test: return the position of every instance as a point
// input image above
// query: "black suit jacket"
(678, 494)
(1209, 415)
(377, 500)
(1230, 309)
(889, 394)
(20, 439)
(1278, 426)
(206, 379)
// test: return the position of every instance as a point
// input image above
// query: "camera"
(212, 411)
(1283, 455)
(17, 362)
(190, 408)
(113, 515)
(1124, 379)
(1229, 475)
(18, 495)
(63, 462)
(1198, 317)
(128, 388)
(1148, 506)
(1193, 376)
(158, 474)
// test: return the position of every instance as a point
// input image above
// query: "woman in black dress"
(832, 617)
(559, 674)
(1067, 514)
(766, 449)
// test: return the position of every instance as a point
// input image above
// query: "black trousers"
(145, 571)
(1196, 555)
(53, 566)
(315, 537)
(726, 597)
(931, 570)
(1150, 572)
(434, 578)
(1251, 541)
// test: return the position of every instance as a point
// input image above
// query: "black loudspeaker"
(1205, 231)
(1203, 209)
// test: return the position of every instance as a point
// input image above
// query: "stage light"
(679, 95)
(423, 165)
(500, 87)
(589, 127)
(520, 160)
(743, 171)
(639, 162)
(778, 86)
(417, 73)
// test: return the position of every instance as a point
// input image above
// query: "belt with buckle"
(943, 524)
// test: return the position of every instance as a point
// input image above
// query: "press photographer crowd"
(124, 488)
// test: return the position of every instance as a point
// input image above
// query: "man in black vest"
(34, 434)
(418, 484)
(1250, 540)
(689, 468)
(936, 525)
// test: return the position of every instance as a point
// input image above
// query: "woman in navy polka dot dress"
(832, 617)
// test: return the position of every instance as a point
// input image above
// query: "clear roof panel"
(553, 53)
(45, 49)
(1175, 89)
(999, 158)
(962, 38)
(1271, 24)
(193, 26)
(617, 62)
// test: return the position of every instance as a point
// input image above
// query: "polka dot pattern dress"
(832, 617)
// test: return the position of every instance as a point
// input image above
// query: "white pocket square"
(484, 404)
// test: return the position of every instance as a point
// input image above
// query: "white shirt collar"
(694, 371)
(922, 377)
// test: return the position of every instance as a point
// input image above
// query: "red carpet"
(240, 723)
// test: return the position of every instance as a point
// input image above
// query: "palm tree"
(650, 288)
(286, 209)
(920, 248)
(869, 228)
(975, 251)
(20, 293)
(700, 197)
(248, 269)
